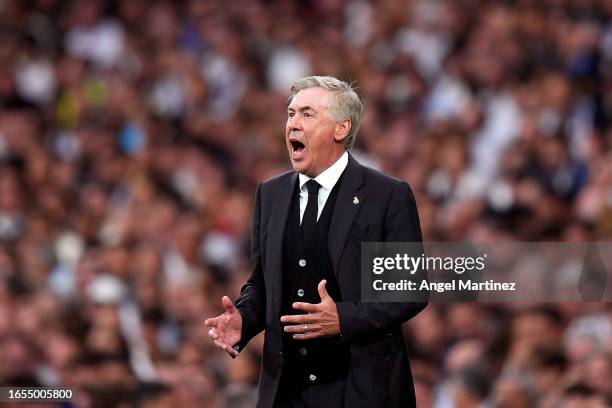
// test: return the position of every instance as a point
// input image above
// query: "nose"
(294, 123)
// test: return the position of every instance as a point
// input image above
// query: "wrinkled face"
(313, 139)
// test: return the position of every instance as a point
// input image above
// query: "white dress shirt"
(327, 180)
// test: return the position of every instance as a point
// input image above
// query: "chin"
(297, 167)
(300, 167)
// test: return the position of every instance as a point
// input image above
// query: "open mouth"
(298, 148)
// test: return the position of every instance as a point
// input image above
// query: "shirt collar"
(330, 176)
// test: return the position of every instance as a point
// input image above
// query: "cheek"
(316, 136)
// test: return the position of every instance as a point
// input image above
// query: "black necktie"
(309, 220)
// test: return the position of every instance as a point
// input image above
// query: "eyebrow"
(302, 109)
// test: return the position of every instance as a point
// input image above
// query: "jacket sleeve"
(401, 224)
(252, 300)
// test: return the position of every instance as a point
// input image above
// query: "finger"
(220, 344)
(322, 290)
(303, 318)
(228, 305)
(212, 333)
(301, 328)
(226, 347)
(308, 336)
(212, 322)
(307, 307)
(231, 350)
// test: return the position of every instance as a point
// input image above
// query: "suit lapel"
(347, 206)
(276, 234)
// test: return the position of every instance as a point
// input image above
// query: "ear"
(342, 130)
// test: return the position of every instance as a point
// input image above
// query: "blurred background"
(133, 134)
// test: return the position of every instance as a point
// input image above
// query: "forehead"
(316, 98)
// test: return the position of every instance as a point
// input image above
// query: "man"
(323, 347)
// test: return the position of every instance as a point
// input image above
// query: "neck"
(333, 158)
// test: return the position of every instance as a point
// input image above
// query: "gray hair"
(344, 101)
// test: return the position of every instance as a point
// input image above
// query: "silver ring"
(305, 326)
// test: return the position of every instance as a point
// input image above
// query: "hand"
(226, 329)
(321, 321)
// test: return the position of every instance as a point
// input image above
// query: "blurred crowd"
(133, 134)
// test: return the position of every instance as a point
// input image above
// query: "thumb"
(228, 305)
(322, 291)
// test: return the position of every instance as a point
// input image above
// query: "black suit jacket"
(386, 211)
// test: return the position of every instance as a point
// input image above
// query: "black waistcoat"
(305, 264)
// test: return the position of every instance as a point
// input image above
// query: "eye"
(307, 115)
(291, 114)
